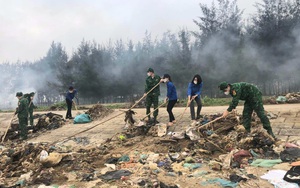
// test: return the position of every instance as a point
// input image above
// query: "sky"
(28, 27)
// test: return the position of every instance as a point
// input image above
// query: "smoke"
(117, 69)
(25, 77)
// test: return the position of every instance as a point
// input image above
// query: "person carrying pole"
(171, 97)
(152, 98)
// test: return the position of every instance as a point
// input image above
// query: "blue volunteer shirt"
(171, 91)
(194, 89)
(70, 96)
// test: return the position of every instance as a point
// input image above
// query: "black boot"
(155, 121)
(198, 117)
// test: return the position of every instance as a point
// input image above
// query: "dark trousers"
(257, 106)
(69, 111)
(30, 111)
(152, 99)
(199, 104)
(23, 127)
(170, 106)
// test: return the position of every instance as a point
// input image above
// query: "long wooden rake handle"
(181, 115)
(205, 126)
(7, 128)
(144, 96)
(75, 105)
(154, 110)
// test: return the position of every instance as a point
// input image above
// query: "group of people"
(238, 91)
(24, 112)
(26, 106)
(152, 91)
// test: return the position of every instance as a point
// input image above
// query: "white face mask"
(148, 74)
(166, 80)
(195, 82)
(70, 91)
(226, 93)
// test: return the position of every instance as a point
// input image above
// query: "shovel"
(7, 128)
(142, 122)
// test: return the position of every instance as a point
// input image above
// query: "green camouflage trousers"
(152, 99)
(258, 107)
(23, 127)
(30, 116)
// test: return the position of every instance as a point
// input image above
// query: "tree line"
(263, 50)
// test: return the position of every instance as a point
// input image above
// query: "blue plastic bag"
(82, 118)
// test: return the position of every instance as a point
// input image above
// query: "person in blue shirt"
(171, 97)
(194, 94)
(69, 99)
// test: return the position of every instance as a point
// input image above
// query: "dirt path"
(287, 124)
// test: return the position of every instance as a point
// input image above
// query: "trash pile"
(98, 111)
(45, 122)
(218, 154)
(50, 121)
(288, 98)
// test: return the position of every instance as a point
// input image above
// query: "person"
(152, 98)
(253, 102)
(22, 111)
(194, 94)
(69, 99)
(171, 97)
(31, 107)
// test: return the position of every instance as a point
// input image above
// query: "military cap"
(223, 85)
(150, 70)
(19, 94)
(32, 94)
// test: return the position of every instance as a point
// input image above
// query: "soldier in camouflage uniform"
(152, 97)
(22, 112)
(253, 101)
(31, 107)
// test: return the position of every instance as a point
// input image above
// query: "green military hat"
(150, 70)
(223, 85)
(32, 94)
(19, 94)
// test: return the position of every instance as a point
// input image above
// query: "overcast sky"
(27, 27)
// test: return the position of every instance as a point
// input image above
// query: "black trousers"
(199, 104)
(170, 106)
(69, 111)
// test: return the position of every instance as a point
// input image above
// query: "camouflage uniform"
(152, 97)
(22, 112)
(30, 108)
(253, 101)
